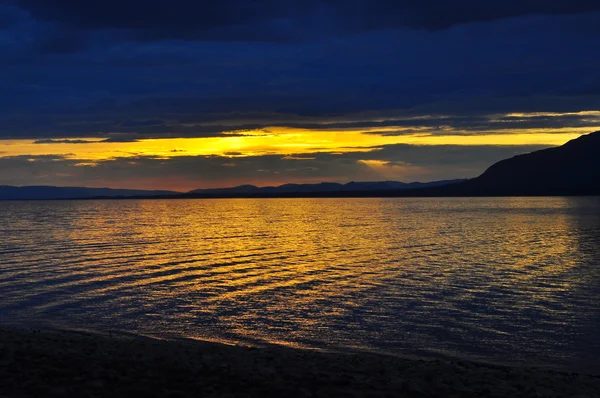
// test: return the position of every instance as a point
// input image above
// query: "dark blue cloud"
(190, 19)
(77, 69)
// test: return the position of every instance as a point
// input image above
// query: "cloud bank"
(129, 70)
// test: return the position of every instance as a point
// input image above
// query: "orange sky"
(290, 155)
(279, 141)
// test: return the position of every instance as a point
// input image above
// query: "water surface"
(500, 280)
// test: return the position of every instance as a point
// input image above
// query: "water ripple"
(491, 279)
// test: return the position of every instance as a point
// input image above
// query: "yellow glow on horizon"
(553, 114)
(283, 141)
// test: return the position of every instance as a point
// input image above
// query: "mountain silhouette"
(323, 187)
(8, 192)
(52, 192)
(567, 170)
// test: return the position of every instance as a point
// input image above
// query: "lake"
(507, 280)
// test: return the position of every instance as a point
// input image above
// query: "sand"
(73, 364)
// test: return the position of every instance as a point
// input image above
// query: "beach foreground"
(73, 364)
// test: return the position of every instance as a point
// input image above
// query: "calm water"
(504, 280)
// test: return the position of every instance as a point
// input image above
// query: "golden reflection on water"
(477, 277)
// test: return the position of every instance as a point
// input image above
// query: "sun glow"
(280, 141)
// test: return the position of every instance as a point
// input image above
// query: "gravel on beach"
(74, 364)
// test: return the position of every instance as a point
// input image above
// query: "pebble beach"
(50, 363)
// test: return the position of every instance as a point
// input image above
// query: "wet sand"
(72, 364)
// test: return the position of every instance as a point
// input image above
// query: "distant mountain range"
(49, 192)
(571, 169)
(323, 187)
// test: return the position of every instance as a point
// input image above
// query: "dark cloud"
(91, 78)
(9, 16)
(121, 137)
(474, 125)
(64, 141)
(440, 14)
(216, 124)
(281, 20)
(143, 123)
(61, 41)
(127, 70)
(150, 13)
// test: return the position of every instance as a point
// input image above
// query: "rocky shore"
(73, 364)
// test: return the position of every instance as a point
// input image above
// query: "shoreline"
(64, 363)
(413, 355)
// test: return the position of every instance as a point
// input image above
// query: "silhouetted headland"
(567, 170)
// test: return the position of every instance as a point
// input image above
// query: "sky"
(185, 94)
